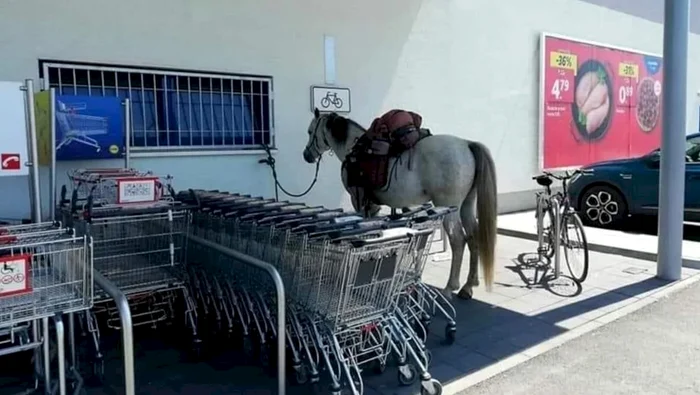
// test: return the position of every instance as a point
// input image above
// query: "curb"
(470, 380)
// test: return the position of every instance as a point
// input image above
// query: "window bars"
(177, 110)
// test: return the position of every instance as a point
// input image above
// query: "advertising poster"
(42, 113)
(598, 103)
(89, 127)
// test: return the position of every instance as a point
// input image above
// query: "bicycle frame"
(556, 202)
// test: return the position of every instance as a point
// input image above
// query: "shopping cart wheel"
(301, 375)
(335, 389)
(450, 333)
(196, 349)
(264, 355)
(408, 374)
(379, 367)
(431, 387)
(248, 346)
(98, 372)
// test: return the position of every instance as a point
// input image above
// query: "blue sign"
(89, 127)
(652, 63)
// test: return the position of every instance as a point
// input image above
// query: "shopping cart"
(343, 275)
(79, 128)
(116, 187)
(140, 248)
(45, 272)
(419, 301)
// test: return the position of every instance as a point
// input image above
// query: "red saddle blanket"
(388, 137)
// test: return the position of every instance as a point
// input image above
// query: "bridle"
(315, 139)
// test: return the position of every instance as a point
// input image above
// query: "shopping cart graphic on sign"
(79, 128)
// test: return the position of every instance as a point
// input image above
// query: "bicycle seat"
(544, 181)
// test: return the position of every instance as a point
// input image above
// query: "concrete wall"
(469, 67)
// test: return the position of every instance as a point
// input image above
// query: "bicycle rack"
(557, 238)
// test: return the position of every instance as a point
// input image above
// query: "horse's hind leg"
(455, 234)
(469, 223)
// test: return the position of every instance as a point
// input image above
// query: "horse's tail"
(486, 208)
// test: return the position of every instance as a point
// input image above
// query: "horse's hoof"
(447, 293)
(465, 293)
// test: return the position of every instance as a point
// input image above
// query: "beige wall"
(469, 67)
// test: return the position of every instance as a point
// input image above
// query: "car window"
(692, 149)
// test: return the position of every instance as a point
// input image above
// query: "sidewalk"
(655, 350)
(495, 331)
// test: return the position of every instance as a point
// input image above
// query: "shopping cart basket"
(142, 251)
(45, 271)
(342, 291)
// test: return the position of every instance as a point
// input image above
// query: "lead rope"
(270, 161)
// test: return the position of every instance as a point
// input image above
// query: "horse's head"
(326, 132)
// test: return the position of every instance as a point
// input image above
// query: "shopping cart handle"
(387, 236)
(345, 233)
(291, 209)
(397, 223)
(411, 211)
(337, 223)
(282, 216)
(436, 213)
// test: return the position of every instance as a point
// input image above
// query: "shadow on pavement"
(486, 333)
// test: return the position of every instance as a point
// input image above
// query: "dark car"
(616, 189)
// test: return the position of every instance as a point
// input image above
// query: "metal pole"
(556, 228)
(281, 308)
(672, 173)
(52, 171)
(33, 163)
(540, 223)
(127, 133)
(127, 329)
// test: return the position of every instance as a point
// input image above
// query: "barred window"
(175, 110)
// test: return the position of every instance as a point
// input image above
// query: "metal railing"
(127, 331)
(281, 304)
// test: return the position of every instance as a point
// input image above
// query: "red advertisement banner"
(597, 103)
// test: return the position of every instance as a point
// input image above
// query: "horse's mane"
(356, 124)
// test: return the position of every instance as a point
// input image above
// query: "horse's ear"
(338, 126)
(317, 113)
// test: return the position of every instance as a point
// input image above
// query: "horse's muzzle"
(308, 157)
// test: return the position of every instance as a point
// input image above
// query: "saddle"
(389, 136)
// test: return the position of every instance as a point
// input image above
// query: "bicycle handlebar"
(567, 175)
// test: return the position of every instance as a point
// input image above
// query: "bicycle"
(567, 218)
(331, 98)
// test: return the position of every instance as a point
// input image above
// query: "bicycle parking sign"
(330, 99)
(14, 275)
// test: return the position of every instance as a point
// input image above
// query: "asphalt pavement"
(655, 350)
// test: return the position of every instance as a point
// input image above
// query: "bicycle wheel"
(573, 238)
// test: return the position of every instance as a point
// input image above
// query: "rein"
(270, 161)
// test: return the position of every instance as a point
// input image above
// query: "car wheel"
(602, 206)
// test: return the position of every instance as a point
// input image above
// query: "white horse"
(444, 169)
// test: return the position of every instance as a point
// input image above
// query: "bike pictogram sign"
(14, 275)
(330, 99)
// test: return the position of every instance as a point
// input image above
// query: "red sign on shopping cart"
(14, 275)
(136, 190)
